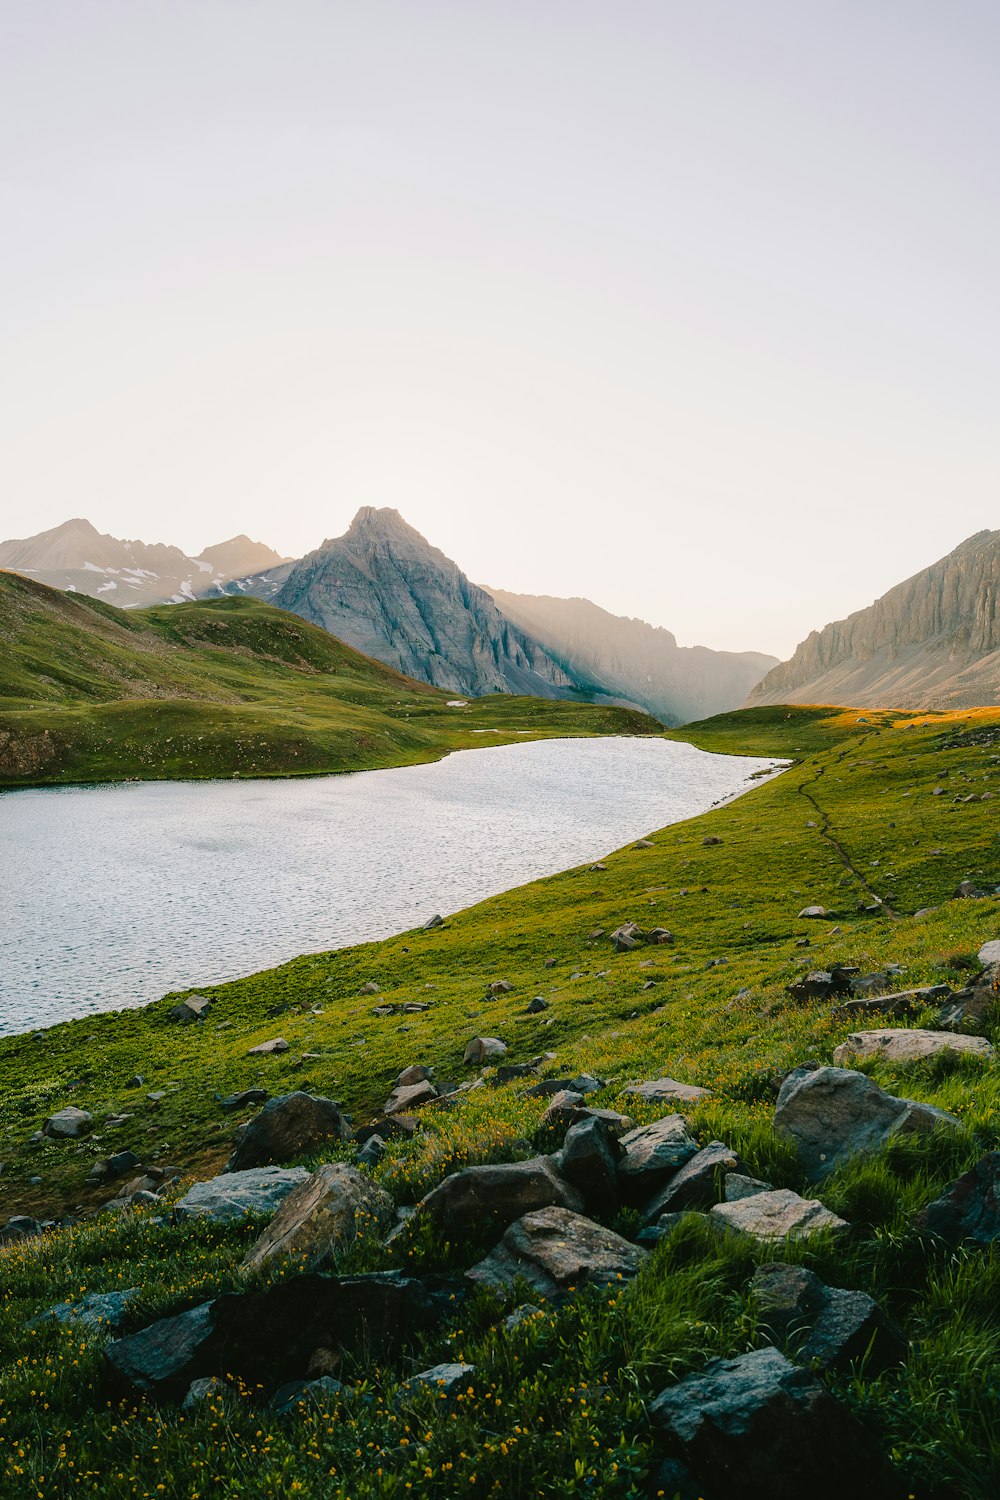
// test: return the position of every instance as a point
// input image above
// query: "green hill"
(224, 687)
(561, 1405)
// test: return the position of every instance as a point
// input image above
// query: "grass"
(559, 1406)
(227, 687)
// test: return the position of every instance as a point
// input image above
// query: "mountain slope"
(931, 642)
(222, 687)
(77, 557)
(384, 588)
(632, 659)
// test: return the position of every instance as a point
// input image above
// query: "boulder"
(968, 1211)
(562, 1108)
(410, 1096)
(822, 1325)
(389, 1127)
(589, 1159)
(553, 1249)
(536, 1006)
(372, 1151)
(652, 1234)
(667, 1091)
(696, 1183)
(652, 1154)
(200, 1392)
(264, 1049)
(432, 922)
(68, 1124)
(989, 953)
(896, 1045)
(273, 1335)
(814, 913)
(247, 1099)
(442, 1380)
(760, 1428)
(774, 1216)
(497, 1194)
(499, 987)
(191, 1008)
(98, 1311)
(20, 1227)
(484, 1048)
(295, 1394)
(233, 1195)
(899, 1003)
(738, 1186)
(821, 984)
(415, 1073)
(833, 1113)
(326, 1213)
(287, 1127)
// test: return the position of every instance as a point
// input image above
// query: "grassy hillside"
(560, 1406)
(225, 687)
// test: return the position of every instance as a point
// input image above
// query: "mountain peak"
(381, 521)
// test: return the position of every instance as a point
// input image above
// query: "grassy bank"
(227, 687)
(559, 1407)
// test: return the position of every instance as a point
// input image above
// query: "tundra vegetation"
(880, 821)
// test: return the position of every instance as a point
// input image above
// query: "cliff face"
(931, 642)
(386, 591)
(637, 661)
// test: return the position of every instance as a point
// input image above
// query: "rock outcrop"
(385, 590)
(931, 642)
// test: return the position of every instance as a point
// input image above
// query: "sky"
(686, 306)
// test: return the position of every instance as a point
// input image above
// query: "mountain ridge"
(932, 641)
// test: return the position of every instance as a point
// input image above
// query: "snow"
(107, 586)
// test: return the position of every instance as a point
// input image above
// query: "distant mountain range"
(77, 557)
(640, 662)
(386, 591)
(931, 642)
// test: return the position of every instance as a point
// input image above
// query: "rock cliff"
(640, 662)
(385, 590)
(931, 642)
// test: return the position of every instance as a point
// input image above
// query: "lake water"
(112, 896)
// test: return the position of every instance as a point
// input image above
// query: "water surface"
(112, 896)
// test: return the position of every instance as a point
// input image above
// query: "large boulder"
(759, 1428)
(696, 1184)
(833, 1113)
(652, 1154)
(192, 1008)
(407, 1096)
(484, 1049)
(989, 953)
(99, 1312)
(68, 1124)
(968, 1211)
(667, 1091)
(271, 1336)
(327, 1212)
(896, 1045)
(775, 1216)
(552, 1250)
(823, 1325)
(589, 1160)
(233, 1195)
(285, 1128)
(497, 1194)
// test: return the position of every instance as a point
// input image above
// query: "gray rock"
(294, 1394)
(833, 1113)
(99, 1311)
(20, 1227)
(989, 953)
(822, 1325)
(760, 1428)
(264, 1049)
(815, 913)
(245, 1100)
(415, 1073)
(233, 1195)
(520, 1315)
(164, 1356)
(372, 1151)
(695, 1184)
(191, 1008)
(329, 1211)
(652, 1154)
(562, 1108)
(775, 1216)
(589, 1159)
(68, 1124)
(534, 1007)
(410, 1096)
(667, 1091)
(898, 1045)
(443, 1380)
(287, 1127)
(738, 1186)
(484, 1049)
(553, 1249)
(652, 1234)
(497, 1194)
(968, 1211)
(203, 1391)
(432, 922)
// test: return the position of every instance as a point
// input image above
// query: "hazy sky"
(687, 306)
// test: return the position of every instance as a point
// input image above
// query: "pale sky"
(690, 307)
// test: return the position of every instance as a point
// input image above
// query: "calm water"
(112, 896)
